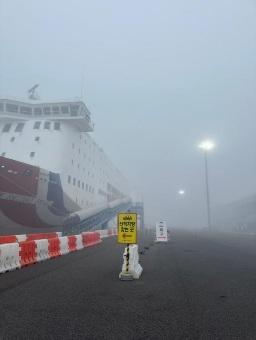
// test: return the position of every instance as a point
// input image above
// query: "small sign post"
(161, 232)
(127, 233)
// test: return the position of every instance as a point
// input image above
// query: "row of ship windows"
(78, 165)
(84, 203)
(26, 172)
(92, 145)
(36, 139)
(19, 127)
(79, 150)
(14, 108)
(47, 125)
(90, 173)
(90, 159)
(80, 184)
(32, 154)
(73, 110)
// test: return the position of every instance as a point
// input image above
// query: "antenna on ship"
(32, 94)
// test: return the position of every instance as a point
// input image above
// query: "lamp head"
(206, 145)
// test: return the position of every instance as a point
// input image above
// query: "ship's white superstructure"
(55, 138)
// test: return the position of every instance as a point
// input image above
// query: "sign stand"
(127, 234)
(126, 276)
(127, 257)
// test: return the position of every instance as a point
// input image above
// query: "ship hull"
(31, 197)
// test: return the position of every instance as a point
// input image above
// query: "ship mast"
(32, 94)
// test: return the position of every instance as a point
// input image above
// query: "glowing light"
(207, 145)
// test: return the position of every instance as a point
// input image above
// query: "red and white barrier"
(103, 233)
(27, 237)
(79, 242)
(42, 250)
(30, 250)
(64, 245)
(9, 257)
(91, 238)
(27, 252)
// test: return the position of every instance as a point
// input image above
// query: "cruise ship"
(50, 166)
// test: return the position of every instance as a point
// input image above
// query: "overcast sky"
(158, 77)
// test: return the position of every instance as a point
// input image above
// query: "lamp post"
(207, 146)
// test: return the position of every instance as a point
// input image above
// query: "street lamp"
(206, 146)
(181, 192)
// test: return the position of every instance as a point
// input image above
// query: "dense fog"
(158, 77)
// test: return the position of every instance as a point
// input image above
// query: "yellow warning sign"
(127, 228)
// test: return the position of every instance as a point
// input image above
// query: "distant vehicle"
(51, 168)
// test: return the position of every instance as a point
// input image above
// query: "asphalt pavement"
(199, 285)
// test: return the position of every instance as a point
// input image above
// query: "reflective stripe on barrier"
(41, 250)
(64, 245)
(54, 247)
(9, 257)
(79, 242)
(27, 253)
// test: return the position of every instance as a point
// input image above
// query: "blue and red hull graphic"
(30, 197)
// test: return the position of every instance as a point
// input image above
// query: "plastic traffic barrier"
(103, 233)
(27, 237)
(9, 257)
(21, 238)
(41, 250)
(8, 239)
(79, 242)
(64, 245)
(54, 247)
(72, 243)
(91, 238)
(41, 236)
(113, 231)
(110, 233)
(27, 252)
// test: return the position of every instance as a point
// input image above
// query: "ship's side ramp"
(94, 218)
